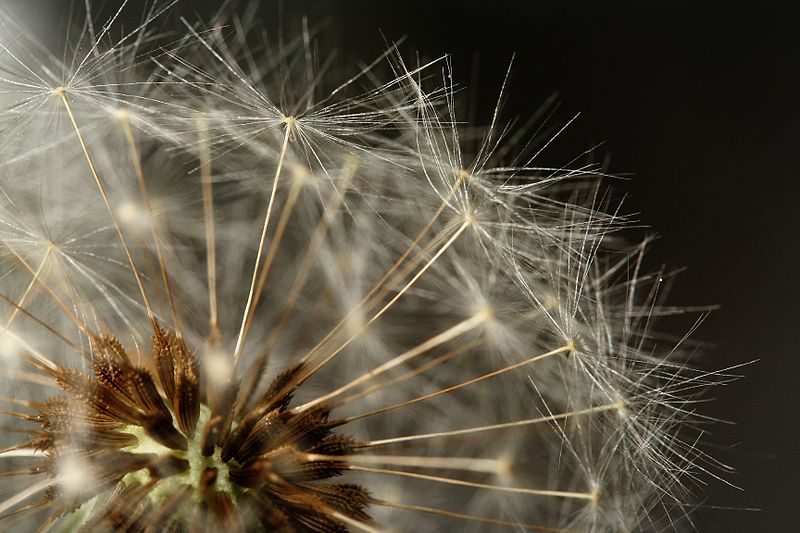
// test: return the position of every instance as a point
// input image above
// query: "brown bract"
(252, 462)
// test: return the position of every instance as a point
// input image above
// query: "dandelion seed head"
(243, 291)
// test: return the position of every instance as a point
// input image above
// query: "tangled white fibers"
(242, 292)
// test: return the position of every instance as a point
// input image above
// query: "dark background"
(700, 106)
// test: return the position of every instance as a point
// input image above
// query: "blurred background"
(699, 108)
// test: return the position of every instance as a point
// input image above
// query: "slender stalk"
(506, 425)
(18, 306)
(211, 241)
(294, 194)
(290, 123)
(478, 379)
(62, 93)
(137, 165)
(452, 333)
(590, 496)
(472, 518)
(468, 464)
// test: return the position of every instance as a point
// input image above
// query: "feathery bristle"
(232, 278)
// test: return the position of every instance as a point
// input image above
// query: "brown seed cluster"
(173, 459)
